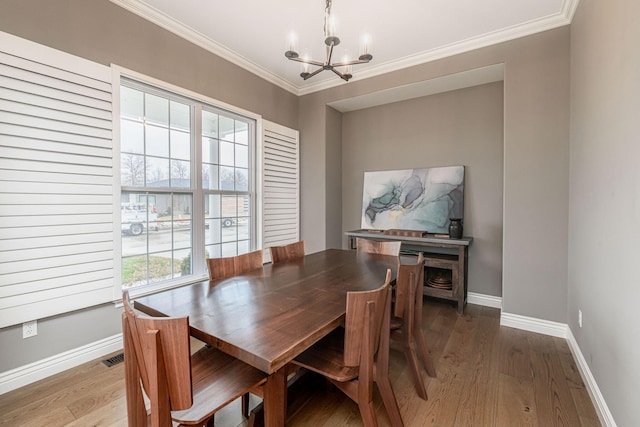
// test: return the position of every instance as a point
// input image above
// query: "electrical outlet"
(30, 329)
(580, 318)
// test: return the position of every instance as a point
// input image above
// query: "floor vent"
(114, 360)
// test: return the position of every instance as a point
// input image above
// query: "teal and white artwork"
(413, 199)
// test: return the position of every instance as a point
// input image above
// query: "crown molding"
(550, 22)
(153, 15)
(168, 23)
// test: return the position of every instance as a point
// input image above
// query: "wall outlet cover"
(30, 329)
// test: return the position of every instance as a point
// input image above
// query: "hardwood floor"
(487, 376)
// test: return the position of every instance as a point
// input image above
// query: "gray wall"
(102, 32)
(105, 33)
(536, 156)
(462, 127)
(604, 279)
(334, 180)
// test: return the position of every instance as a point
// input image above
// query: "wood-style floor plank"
(514, 353)
(554, 401)
(478, 403)
(487, 375)
(516, 402)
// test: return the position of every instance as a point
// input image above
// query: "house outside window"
(187, 179)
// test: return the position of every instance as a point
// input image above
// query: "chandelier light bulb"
(332, 26)
(292, 42)
(305, 65)
(365, 44)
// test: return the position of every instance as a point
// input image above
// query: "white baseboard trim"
(484, 300)
(532, 324)
(562, 330)
(24, 375)
(606, 418)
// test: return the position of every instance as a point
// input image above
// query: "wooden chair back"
(409, 286)
(287, 252)
(365, 313)
(220, 268)
(162, 353)
(383, 247)
(247, 262)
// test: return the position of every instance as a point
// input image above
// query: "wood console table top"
(428, 239)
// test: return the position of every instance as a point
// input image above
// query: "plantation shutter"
(280, 185)
(56, 175)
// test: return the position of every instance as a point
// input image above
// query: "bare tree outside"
(132, 170)
(180, 169)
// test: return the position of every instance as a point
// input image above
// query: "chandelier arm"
(307, 61)
(314, 73)
(329, 54)
(341, 75)
(354, 62)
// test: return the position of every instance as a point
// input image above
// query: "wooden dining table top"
(268, 316)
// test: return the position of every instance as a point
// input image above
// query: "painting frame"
(421, 199)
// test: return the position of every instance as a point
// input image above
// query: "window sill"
(149, 290)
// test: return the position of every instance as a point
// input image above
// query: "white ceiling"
(254, 34)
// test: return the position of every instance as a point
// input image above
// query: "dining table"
(268, 316)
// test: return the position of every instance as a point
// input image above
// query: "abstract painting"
(413, 199)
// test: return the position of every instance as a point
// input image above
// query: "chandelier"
(331, 40)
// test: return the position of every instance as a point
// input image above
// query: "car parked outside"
(135, 219)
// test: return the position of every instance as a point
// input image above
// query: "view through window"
(186, 185)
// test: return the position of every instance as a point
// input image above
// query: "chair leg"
(245, 405)
(389, 400)
(414, 370)
(424, 353)
(368, 414)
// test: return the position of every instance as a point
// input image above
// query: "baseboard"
(36, 371)
(532, 324)
(44, 368)
(606, 418)
(484, 300)
(563, 331)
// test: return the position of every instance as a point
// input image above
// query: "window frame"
(199, 271)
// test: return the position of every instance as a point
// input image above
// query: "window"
(225, 180)
(187, 185)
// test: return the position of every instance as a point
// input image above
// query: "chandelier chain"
(327, 14)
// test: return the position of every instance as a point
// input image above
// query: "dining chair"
(181, 388)
(355, 357)
(287, 252)
(383, 247)
(219, 268)
(407, 312)
(247, 262)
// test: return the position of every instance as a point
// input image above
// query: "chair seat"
(326, 357)
(233, 378)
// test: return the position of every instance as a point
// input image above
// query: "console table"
(440, 252)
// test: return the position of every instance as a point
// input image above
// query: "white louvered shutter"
(56, 182)
(280, 185)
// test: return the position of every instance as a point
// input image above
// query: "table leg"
(275, 399)
(462, 279)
